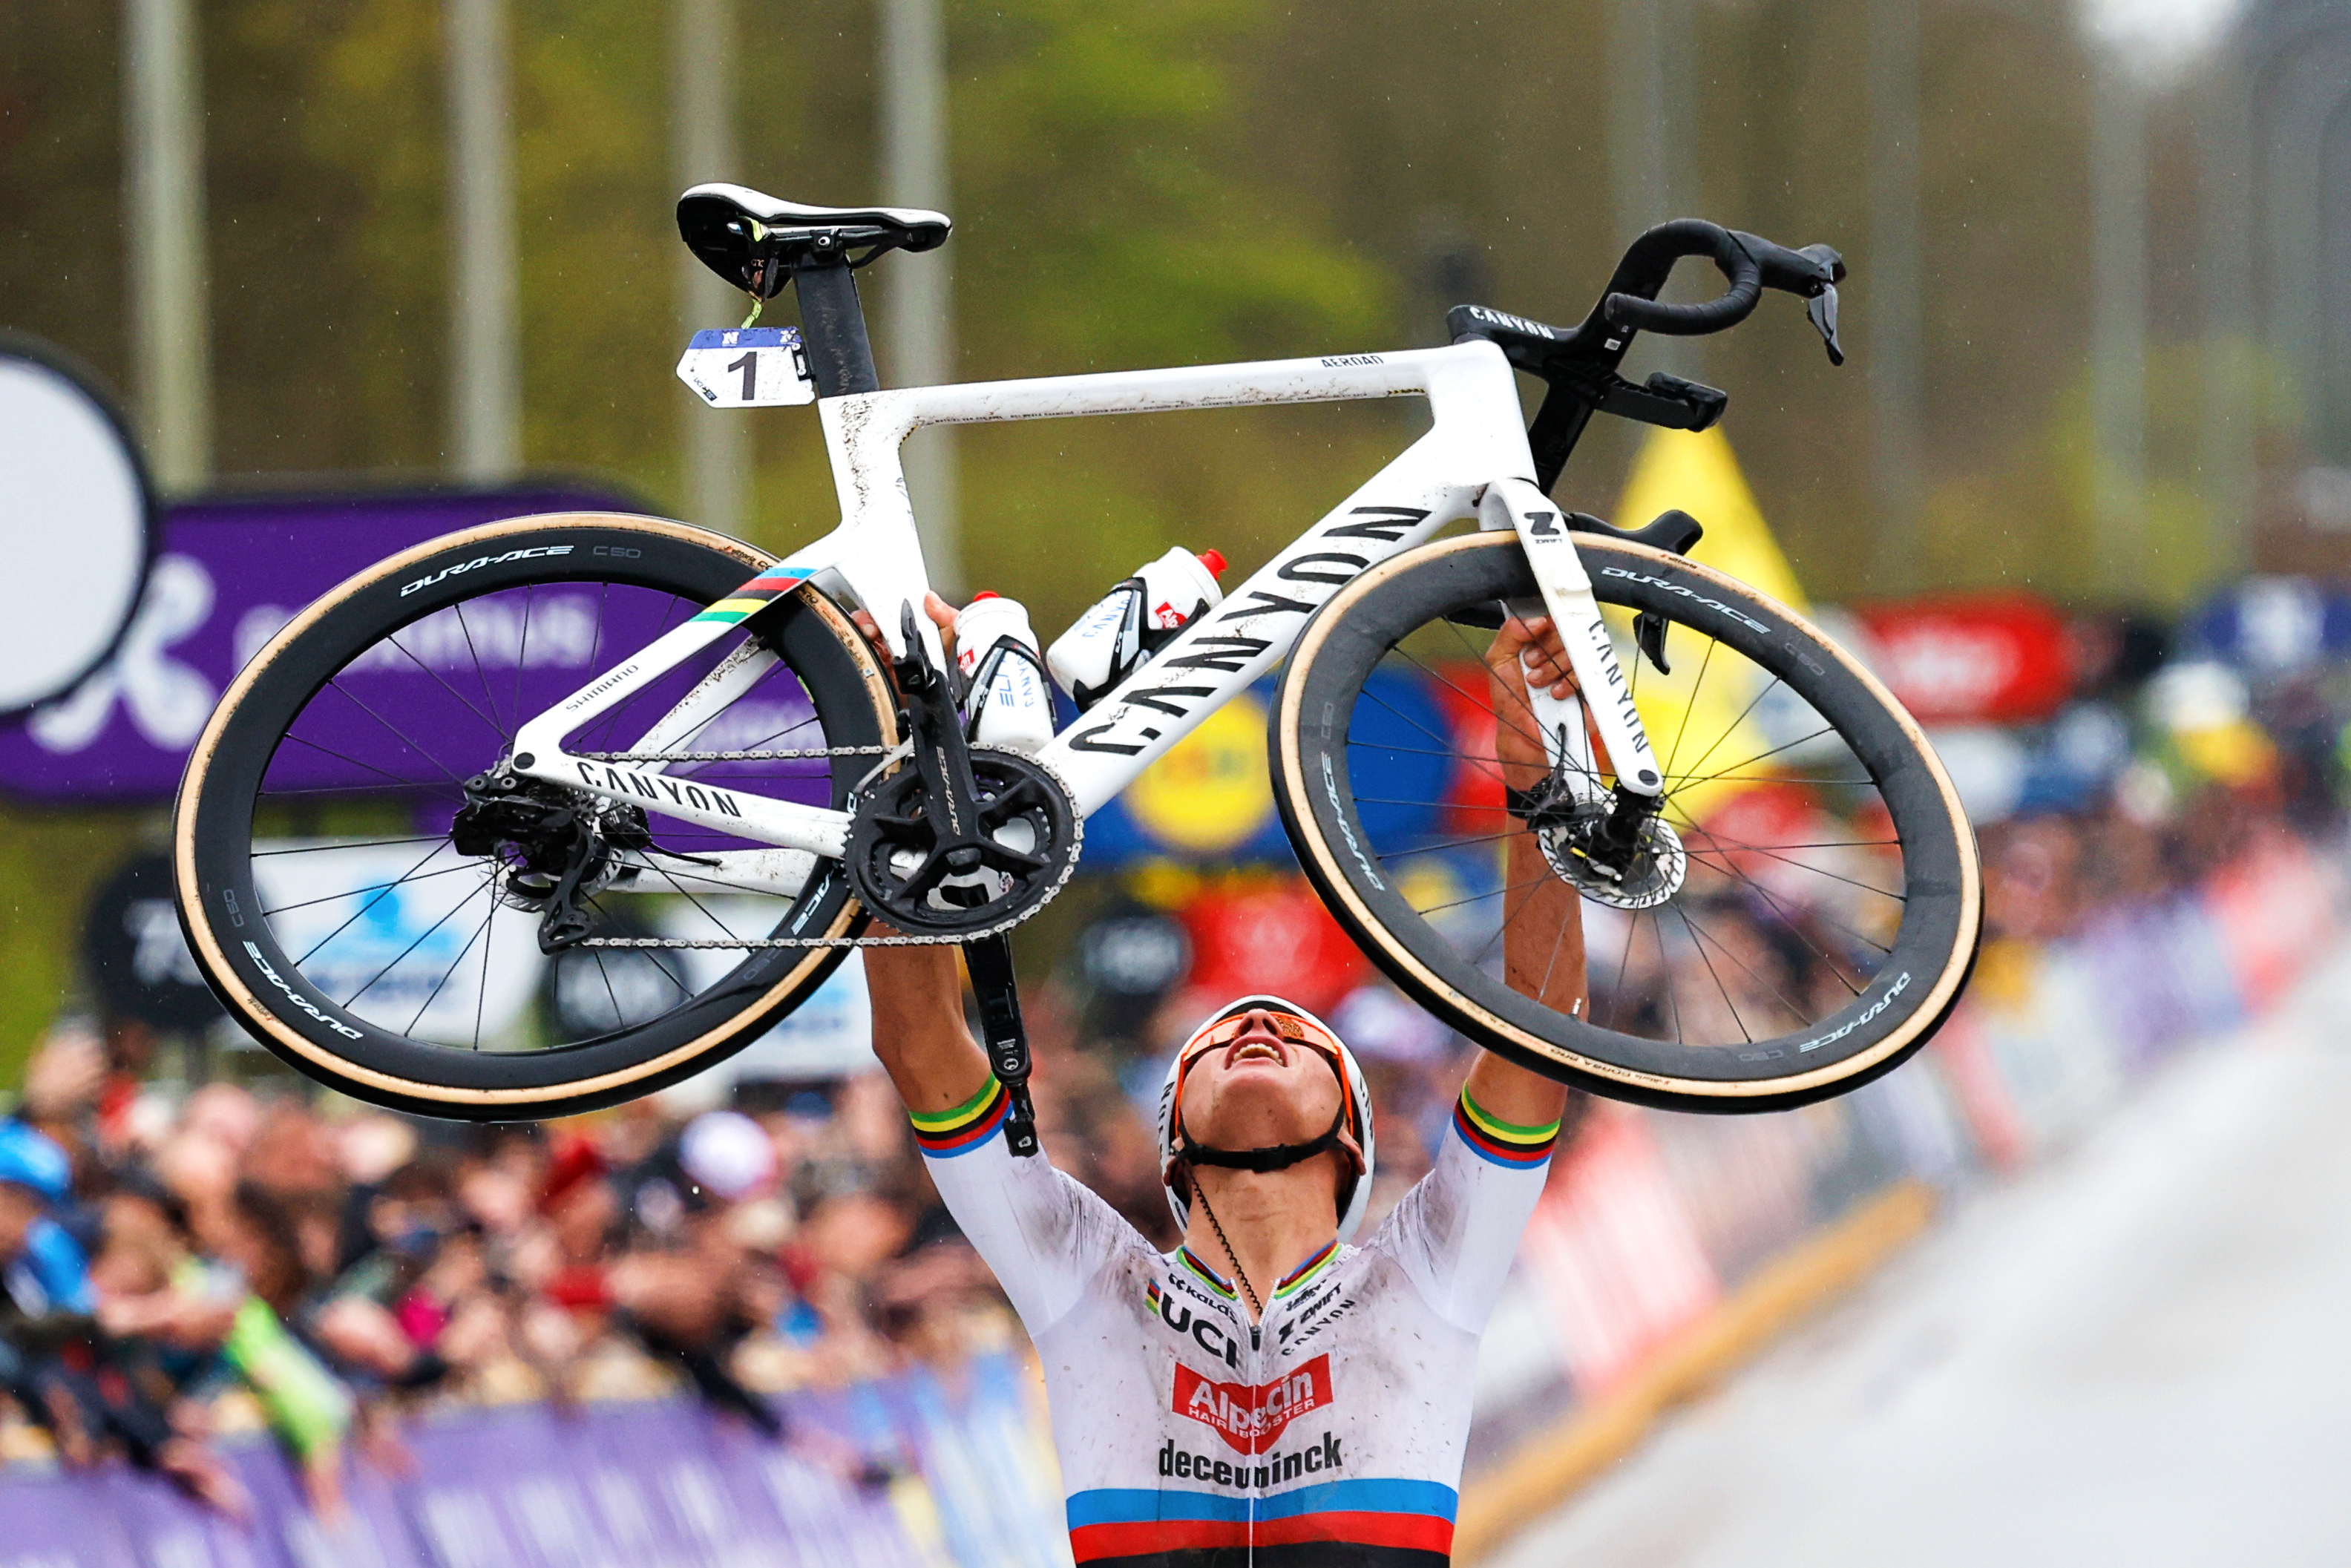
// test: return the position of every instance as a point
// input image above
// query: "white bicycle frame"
(1474, 460)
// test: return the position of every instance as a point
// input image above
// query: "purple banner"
(888, 1475)
(229, 575)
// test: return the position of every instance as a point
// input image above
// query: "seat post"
(832, 328)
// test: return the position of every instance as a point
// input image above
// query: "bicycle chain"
(733, 756)
(670, 942)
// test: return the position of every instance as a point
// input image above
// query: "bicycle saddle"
(736, 231)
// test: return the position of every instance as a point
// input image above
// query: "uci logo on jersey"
(1201, 1329)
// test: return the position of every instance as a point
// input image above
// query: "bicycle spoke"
(1777, 778)
(1623, 964)
(348, 844)
(354, 761)
(336, 685)
(495, 727)
(353, 999)
(1720, 946)
(1796, 925)
(1732, 727)
(1535, 735)
(732, 934)
(481, 674)
(1780, 909)
(358, 789)
(362, 909)
(1406, 716)
(522, 647)
(1481, 897)
(412, 876)
(356, 914)
(482, 995)
(1733, 846)
(1665, 967)
(620, 1018)
(1727, 1001)
(1824, 729)
(1689, 706)
(1558, 941)
(1419, 750)
(451, 969)
(1448, 845)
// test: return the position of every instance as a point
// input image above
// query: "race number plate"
(747, 367)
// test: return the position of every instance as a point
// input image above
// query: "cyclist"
(1266, 1393)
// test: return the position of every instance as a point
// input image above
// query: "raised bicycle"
(684, 771)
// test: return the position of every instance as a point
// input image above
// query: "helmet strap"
(1272, 1158)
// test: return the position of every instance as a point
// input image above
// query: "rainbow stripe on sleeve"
(944, 1135)
(1519, 1148)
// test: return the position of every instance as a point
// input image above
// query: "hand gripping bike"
(690, 773)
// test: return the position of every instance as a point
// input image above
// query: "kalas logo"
(1251, 1416)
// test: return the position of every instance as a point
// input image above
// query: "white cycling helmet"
(1354, 1116)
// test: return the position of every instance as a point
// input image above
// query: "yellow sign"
(1213, 792)
(1693, 470)
(1703, 730)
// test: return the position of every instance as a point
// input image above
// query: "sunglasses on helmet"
(1291, 1027)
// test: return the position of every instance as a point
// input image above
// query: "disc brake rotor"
(1577, 840)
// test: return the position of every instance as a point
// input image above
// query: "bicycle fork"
(1568, 599)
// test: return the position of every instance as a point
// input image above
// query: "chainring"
(1032, 834)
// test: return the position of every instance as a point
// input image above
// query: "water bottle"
(1007, 702)
(1133, 622)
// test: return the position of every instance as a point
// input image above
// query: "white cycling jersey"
(1330, 1433)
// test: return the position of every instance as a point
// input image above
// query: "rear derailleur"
(556, 848)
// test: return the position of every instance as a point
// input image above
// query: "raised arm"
(917, 992)
(1542, 916)
(918, 1027)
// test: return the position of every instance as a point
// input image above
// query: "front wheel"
(1826, 902)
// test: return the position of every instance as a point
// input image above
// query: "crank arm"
(989, 960)
(942, 755)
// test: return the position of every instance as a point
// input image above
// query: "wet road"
(2138, 1353)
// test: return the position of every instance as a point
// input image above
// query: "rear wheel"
(1813, 911)
(365, 914)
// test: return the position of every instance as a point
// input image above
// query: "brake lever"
(1820, 311)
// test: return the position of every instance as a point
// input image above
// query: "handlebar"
(1750, 263)
(1632, 296)
(1581, 365)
